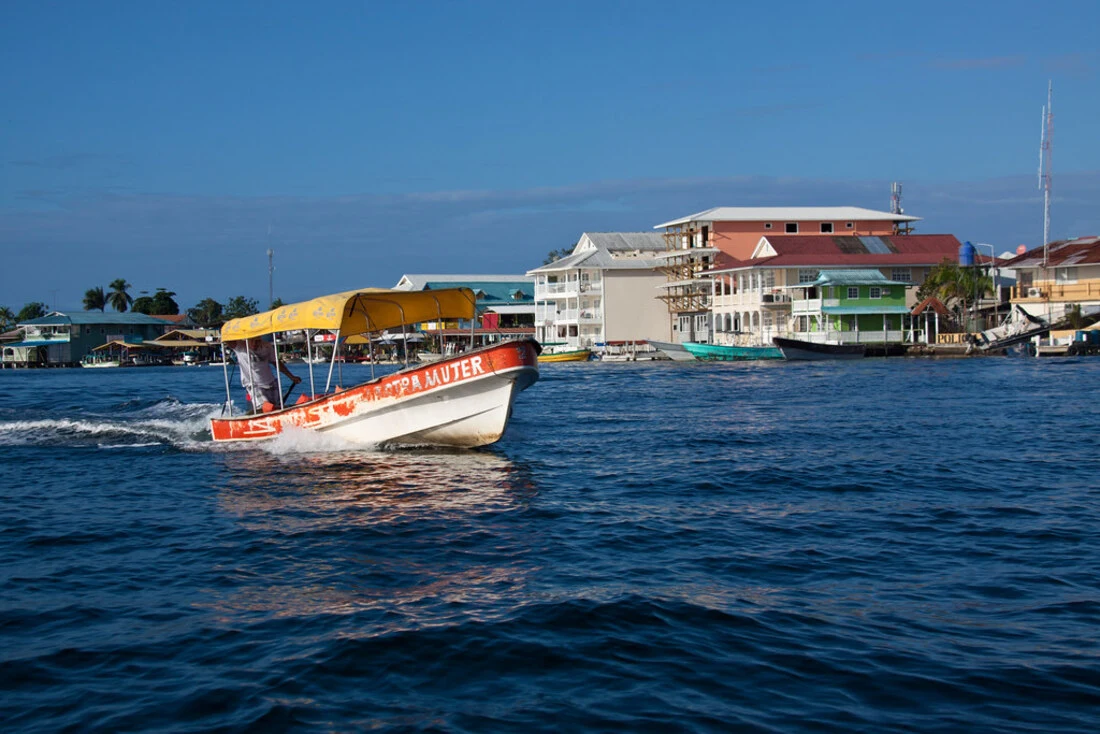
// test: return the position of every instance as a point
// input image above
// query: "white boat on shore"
(463, 401)
(675, 352)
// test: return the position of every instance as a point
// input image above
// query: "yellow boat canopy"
(357, 312)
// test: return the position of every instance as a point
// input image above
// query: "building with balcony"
(606, 290)
(856, 289)
(1051, 281)
(693, 243)
(63, 339)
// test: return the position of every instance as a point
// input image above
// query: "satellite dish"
(1021, 249)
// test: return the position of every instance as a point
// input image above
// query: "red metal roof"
(1063, 253)
(931, 304)
(833, 250)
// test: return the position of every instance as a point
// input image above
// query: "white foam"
(300, 441)
(167, 422)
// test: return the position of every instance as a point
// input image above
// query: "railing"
(1068, 292)
(808, 305)
(891, 336)
(542, 315)
(556, 289)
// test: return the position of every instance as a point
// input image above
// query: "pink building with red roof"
(818, 287)
(761, 249)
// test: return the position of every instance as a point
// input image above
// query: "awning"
(42, 343)
(127, 345)
(864, 310)
(358, 312)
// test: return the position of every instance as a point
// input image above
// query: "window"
(853, 292)
(902, 275)
(826, 228)
(768, 278)
(850, 225)
(791, 227)
(767, 225)
(807, 276)
(876, 292)
(885, 292)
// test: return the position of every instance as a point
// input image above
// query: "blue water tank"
(966, 254)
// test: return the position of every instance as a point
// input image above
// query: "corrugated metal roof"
(416, 282)
(627, 241)
(825, 251)
(790, 214)
(611, 251)
(1060, 254)
(95, 318)
(495, 291)
(850, 277)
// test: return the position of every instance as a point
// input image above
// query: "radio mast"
(1046, 149)
(270, 277)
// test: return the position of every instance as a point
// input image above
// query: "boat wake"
(132, 424)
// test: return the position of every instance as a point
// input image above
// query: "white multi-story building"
(605, 291)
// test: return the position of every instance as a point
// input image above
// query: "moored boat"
(566, 355)
(675, 352)
(462, 401)
(730, 353)
(796, 349)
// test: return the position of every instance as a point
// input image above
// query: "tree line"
(206, 313)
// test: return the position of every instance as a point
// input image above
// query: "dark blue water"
(887, 545)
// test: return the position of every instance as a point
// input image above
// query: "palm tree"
(956, 286)
(119, 299)
(7, 318)
(95, 298)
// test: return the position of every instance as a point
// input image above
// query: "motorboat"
(675, 352)
(566, 355)
(463, 400)
(797, 349)
(731, 353)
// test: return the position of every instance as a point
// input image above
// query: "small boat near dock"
(675, 352)
(565, 355)
(731, 353)
(796, 349)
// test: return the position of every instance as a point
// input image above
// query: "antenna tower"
(270, 277)
(895, 198)
(1046, 166)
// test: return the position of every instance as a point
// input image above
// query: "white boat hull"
(675, 352)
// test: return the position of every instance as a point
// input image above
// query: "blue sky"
(173, 143)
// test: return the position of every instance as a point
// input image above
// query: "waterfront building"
(852, 289)
(693, 242)
(506, 306)
(64, 338)
(1051, 281)
(604, 291)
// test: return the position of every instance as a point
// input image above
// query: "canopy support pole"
(328, 382)
(278, 374)
(404, 340)
(309, 359)
(225, 373)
